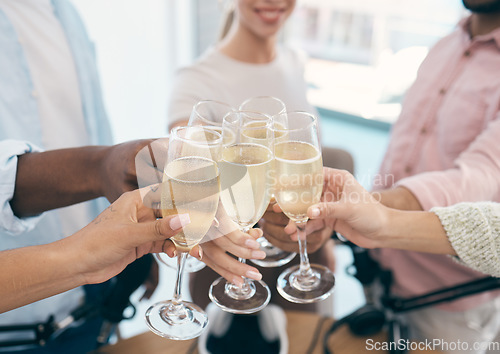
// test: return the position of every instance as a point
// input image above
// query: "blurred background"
(363, 55)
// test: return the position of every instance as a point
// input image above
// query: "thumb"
(329, 210)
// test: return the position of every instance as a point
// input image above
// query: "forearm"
(58, 178)
(398, 198)
(473, 177)
(414, 231)
(32, 273)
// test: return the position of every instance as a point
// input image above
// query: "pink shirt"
(445, 148)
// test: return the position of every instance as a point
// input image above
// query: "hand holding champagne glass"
(299, 183)
(190, 185)
(245, 171)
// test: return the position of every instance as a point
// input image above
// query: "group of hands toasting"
(223, 177)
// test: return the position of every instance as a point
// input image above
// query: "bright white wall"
(138, 46)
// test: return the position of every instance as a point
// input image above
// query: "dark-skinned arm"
(58, 178)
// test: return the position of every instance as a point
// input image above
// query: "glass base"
(179, 321)
(275, 256)
(249, 299)
(190, 266)
(317, 286)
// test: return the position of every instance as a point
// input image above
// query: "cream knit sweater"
(473, 230)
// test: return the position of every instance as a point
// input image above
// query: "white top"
(216, 76)
(52, 67)
(474, 233)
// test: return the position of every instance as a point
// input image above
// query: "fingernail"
(255, 233)
(175, 254)
(200, 253)
(315, 212)
(258, 254)
(250, 243)
(179, 221)
(253, 275)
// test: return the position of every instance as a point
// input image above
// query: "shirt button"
(423, 131)
(442, 91)
(408, 169)
(34, 94)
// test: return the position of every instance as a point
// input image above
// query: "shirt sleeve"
(9, 151)
(473, 230)
(474, 176)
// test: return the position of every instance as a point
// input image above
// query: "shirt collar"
(492, 36)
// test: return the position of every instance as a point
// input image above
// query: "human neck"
(242, 45)
(484, 23)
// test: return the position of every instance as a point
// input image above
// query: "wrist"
(393, 226)
(70, 256)
(97, 163)
(383, 233)
(63, 263)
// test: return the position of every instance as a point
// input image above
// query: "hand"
(242, 245)
(282, 233)
(225, 236)
(119, 172)
(350, 209)
(122, 233)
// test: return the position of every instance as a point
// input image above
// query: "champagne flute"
(210, 113)
(275, 108)
(299, 173)
(269, 105)
(190, 185)
(207, 113)
(245, 171)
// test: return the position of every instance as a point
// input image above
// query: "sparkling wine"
(299, 177)
(191, 185)
(256, 132)
(246, 197)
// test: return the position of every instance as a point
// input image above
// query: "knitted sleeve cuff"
(473, 230)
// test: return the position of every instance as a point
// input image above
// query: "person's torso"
(216, 76)
(41, 102)
(55, 86)
(455, 96)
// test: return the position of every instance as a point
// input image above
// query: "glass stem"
(245, 287)
(181, 260)
(245, 230)
(305, 267)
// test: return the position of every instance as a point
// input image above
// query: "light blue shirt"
(20, 132)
